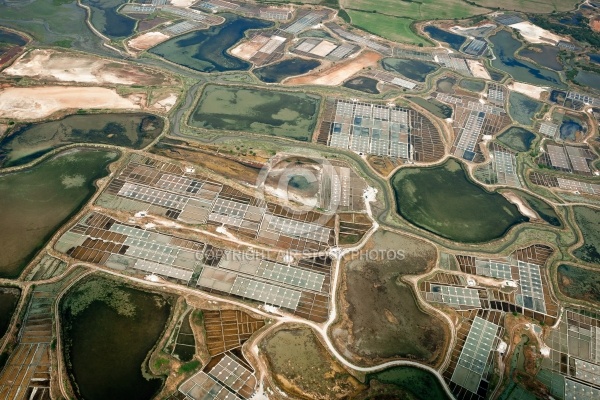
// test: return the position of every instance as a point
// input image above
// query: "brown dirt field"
(595, 24)
(213, 161)
(65, 66)
(338, 73)
(383, 165)
(301, 366)
(379, 317)
(145, 25)
(39, 102)
(147, 40)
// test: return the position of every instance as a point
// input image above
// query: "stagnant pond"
(206, 51)
(27, 142)
(108, 330)
(504, 49)
(443, 200)
(37, 201)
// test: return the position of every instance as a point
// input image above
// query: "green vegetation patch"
(588, 221)
(303, 366)
(579, 283)
(45, 21)
(189, 366)
(443, 200)
(106, 291)
(392, 19)
(290, 115)
(535, 6)
(389, 27)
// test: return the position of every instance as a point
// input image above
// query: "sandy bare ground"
(478, 69)
(147, 40)
(165, 102)
(247, 50)
(595, 24)
(532, 91)
(534, 34)
(65, 66)
(39, 102)
(338, 73)
(521, 205)
(182, 3)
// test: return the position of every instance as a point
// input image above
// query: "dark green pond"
(543, 209)
(363, 84)
(27, 142)
(9, 298)
(412, 69)
(443, 200)
(273, 112)
(517, 138)
(522, 108)
(434, 106)
(107, 19)
(206, 51)
(473, 86)
(418, 382)
(277, 72)
(186, 344)
(37, 201)
(108, 331)
(505, 47)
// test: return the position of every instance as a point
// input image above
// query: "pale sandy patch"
(338, 73)
(323, 48)
(521, 205)
(534, 34)
(147, 40)
(40, 102)
(535, 92)
(247, 50)
(166, 102)
(182, 3)
(64, 66)
(478, 69)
